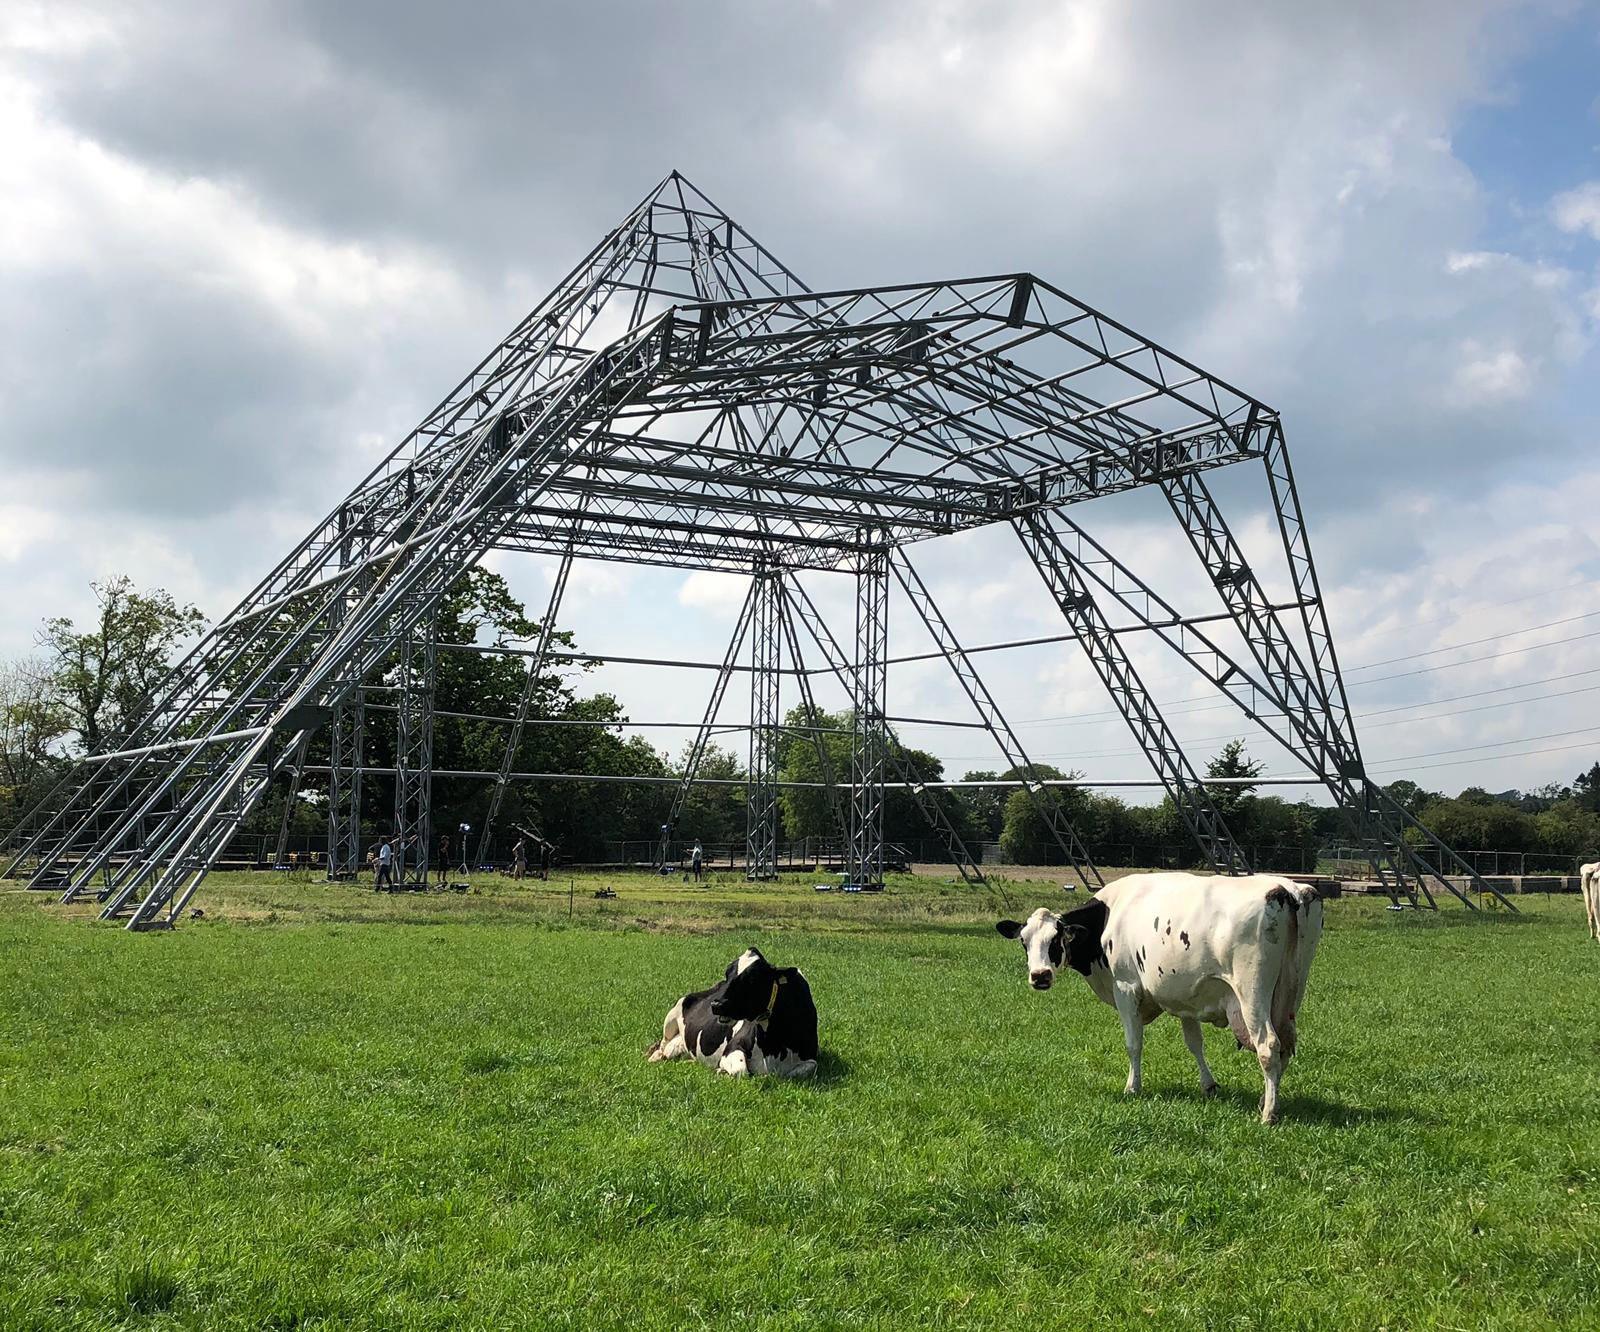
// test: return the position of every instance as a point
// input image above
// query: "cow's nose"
(1040, 980)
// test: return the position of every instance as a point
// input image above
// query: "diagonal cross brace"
(530, 687)
(1059, 567)
(1043, 798)
(841, 667)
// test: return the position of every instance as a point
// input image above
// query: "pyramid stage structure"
(683, 399)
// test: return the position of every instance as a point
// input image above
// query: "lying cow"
(1234, 952)
(757, 1019)
(1589, 883)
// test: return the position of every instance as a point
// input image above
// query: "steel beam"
(1062, 575)
(993, 720)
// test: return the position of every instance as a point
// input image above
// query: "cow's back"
(1191, 941)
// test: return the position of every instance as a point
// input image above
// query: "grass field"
(317, 1108)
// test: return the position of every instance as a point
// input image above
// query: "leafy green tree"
(1232, 762)
(985, 806)
(1586, 789)
(714, 814)
(1409, 796)
(103, 678)
(32, 725)
(1025, 837)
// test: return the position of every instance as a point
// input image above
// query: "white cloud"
(1491, 374)
(707, 590)
(1578, 210)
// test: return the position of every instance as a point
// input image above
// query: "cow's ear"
(1011, 929)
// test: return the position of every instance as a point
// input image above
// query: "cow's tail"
(1303, 932)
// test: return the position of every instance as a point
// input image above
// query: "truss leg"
(347, 746)
(413, 782)
(1381, 830)
(536, 664)
(1043, 799)
(842, 668)
(868, 757)
(761, 792)
(1059, 568)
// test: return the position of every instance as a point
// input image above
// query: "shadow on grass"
(1292, 1107)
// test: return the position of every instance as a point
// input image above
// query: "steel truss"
(729, 418)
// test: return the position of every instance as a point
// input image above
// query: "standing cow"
(1589, 883)
(1234, 952)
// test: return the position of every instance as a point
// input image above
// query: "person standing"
(385, 879)
(519, 859)
(444, 859)
(546, 851)
(697, 860)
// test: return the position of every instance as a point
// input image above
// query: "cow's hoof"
(1269, 1117)
(1209, 1091)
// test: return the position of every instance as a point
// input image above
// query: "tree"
(986, 806)
(31, 727)
(1025, 838)
(104, 678)
(1232, 762)
(1586, 789)
(1409, 796)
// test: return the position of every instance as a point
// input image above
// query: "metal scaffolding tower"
(682, 399)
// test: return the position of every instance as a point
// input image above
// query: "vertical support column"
(413, 759)
(761, 789)
(347, 751)
(868, 756)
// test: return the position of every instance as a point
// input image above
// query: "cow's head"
(1051, 941)
(755, 990)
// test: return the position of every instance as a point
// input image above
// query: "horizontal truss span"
(998, 783)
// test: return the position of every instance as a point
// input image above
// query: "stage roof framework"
(683, 399)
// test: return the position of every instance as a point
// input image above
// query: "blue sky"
(245, 248)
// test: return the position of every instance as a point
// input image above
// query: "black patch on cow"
(1057, 949)
(1008, 929)
(1138, 959)
(1156, 924)
(779, 999)
(1080, 930)
(1161, 971)
(1169, 927)
(1184, 936)
(1281, 896)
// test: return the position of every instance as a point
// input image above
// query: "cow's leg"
(672, 1044)
(1270, 1053)
(1195, 1039)
(1133, 1037)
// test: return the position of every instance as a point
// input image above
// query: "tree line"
(87, 685)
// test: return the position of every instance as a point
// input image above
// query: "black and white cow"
(758, 1019)
(1233, 952)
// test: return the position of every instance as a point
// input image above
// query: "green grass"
(317, 1108)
